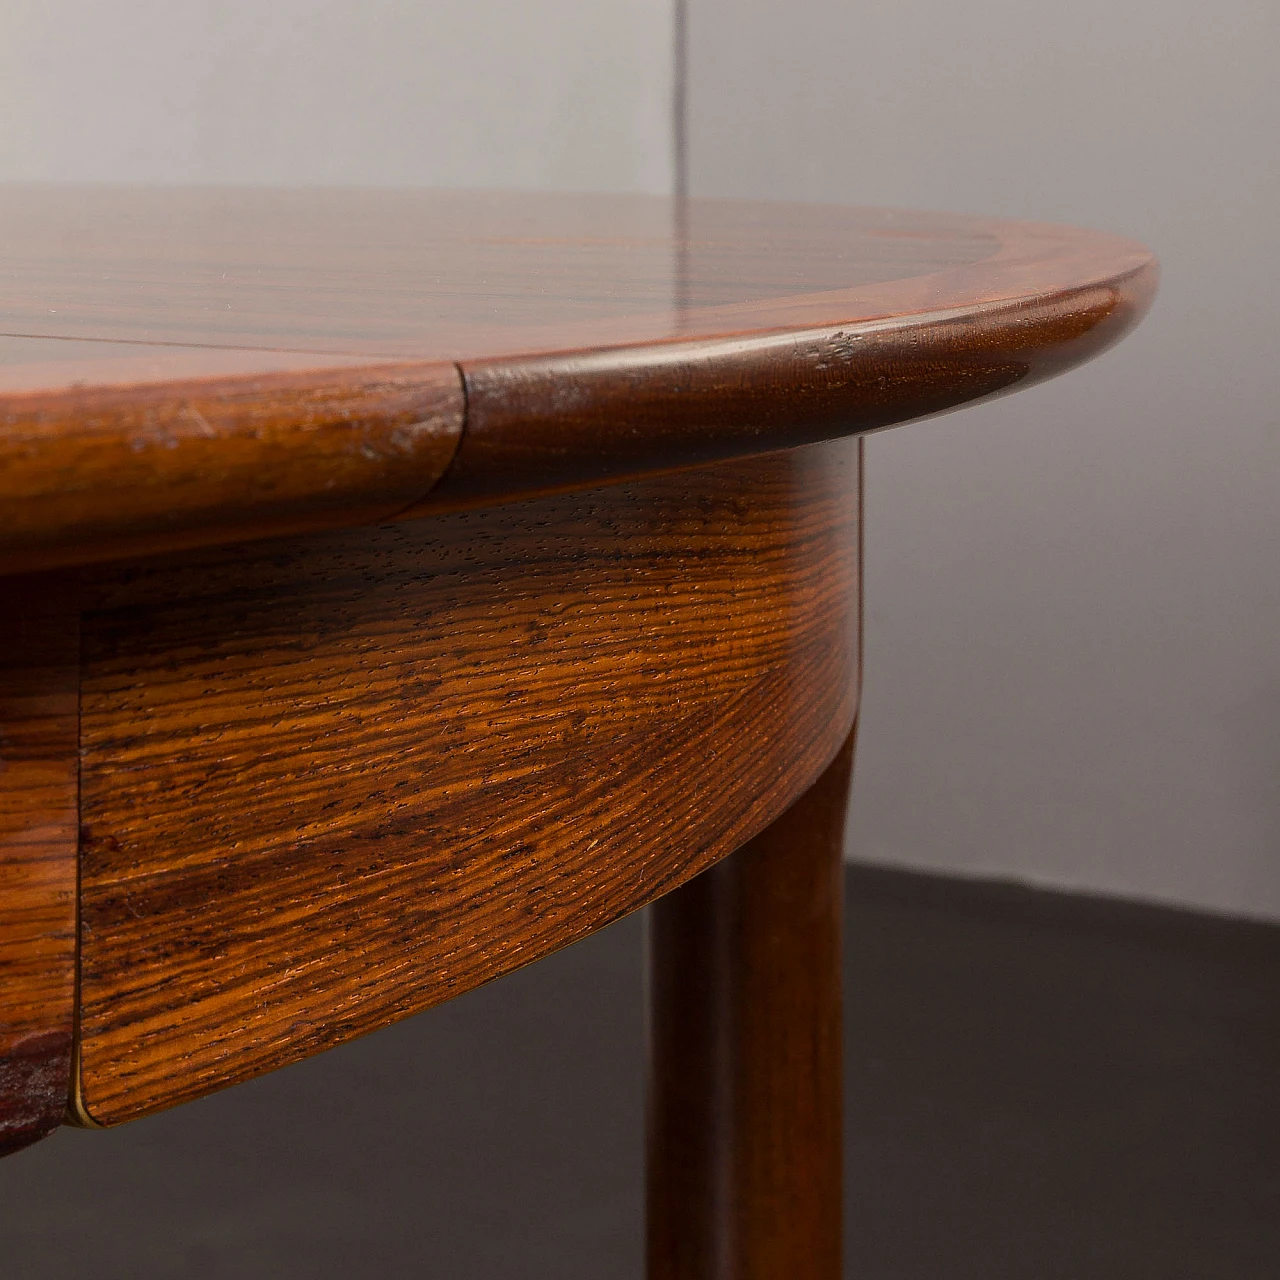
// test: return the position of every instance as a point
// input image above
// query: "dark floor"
(1039, 1087)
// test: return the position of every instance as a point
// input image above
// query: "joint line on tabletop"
(214, 346)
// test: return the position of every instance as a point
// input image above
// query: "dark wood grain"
(745, 1055)
(600, 337)
(329, 781)
(39, 655)
(105, 473)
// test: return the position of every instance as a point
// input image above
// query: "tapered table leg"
(744, 1125)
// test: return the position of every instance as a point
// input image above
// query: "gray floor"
(1039, 1087)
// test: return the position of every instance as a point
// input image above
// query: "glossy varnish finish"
(596, 344)
(475, 276)
(745, 1078)
(106, 473)
(39, 657)
(332, 780)
(546, 423)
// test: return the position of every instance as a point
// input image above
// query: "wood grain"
(468, 276)
(600, 337)
(543, 424)
(745, 1078)
(39, 691)
(329, 781)
(106, 473)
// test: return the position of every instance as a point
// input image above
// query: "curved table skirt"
(329, 781)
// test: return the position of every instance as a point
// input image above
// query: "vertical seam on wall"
(680, 153)
(680, 102)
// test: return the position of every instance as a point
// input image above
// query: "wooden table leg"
(745, 1077)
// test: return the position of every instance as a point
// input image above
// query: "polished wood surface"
(545, 423)
(745, 1077)
(599, 338)
(329, 781)
(39, 654)
(197, 462)
(419, 275)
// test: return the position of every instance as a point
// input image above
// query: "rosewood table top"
(397, 586)
(182, 367)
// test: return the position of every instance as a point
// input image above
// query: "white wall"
(1073, 623)
(565, 94)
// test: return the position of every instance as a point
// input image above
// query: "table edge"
(86, 475)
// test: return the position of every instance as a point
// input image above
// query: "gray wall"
(565, 94)
(1073, 595)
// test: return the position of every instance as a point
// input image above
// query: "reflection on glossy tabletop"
(183, 366)
(458, 276)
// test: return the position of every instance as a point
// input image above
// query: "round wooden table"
(396, 587)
